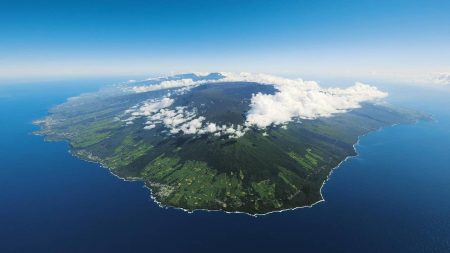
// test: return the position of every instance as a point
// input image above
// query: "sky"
(392, 40)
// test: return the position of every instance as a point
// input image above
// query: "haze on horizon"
(392, 40)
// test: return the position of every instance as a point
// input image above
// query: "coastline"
(255, 215)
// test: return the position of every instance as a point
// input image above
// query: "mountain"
(214, 141)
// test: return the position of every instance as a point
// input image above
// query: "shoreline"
(255, 215)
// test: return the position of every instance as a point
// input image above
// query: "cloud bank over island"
(307, 100)
(293, 99)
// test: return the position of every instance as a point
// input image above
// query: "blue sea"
(393, 197)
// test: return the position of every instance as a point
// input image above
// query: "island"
(215, 141)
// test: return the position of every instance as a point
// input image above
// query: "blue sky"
(385, 39)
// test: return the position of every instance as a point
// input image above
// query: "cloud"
(295, 98)
(147, 108)
(177, 120)
(183, 81)
(180, 120)
(307, 100)
(153, 106)
(193, 126)
(166, 85)
(441, 79)
(151, 126)
(225, 77)
(211, 128)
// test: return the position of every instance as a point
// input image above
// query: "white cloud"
(151, 126)
(193, 126)
(171, 84)
(300, 99)
(294, 99)
(153, 106)
(187, 122)
(441, 78)
(306, 100)
(147, 108)
(211, 128)
(227, 77)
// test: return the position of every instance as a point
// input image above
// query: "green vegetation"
(127, 153)
(309, 161)
(254, 173)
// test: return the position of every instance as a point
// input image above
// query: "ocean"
(393, 197)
